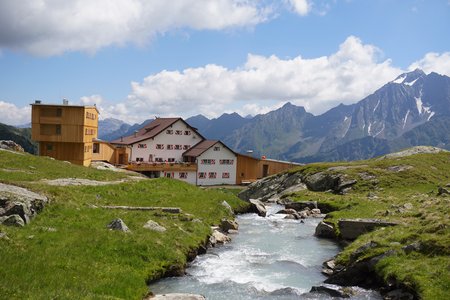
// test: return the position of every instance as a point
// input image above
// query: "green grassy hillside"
(67, 252)
(403, 190)
(21, 136)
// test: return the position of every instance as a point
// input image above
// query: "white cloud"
(318, 84)
(10, 114)
(91, 100)
(302, 7)
(434, 62)
(48, 27)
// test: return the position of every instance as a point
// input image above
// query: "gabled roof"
(203, 146)
(151, 130)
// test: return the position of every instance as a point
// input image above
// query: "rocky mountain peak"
(409, 78)
(289, 107)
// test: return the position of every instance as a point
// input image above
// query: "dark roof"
(201, 147)
(148, 131)
(66, 105)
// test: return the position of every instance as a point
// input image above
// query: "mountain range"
(413, 109)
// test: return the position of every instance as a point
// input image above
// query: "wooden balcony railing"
(146, 166)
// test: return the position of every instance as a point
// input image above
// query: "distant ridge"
(413, 109)
(21, 136)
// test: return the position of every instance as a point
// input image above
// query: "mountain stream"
(270, 258)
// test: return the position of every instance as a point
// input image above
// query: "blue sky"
(136, 59)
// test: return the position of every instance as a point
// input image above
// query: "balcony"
(165, 167)
(50, 120)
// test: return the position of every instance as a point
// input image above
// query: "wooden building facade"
(250, 169)
(65, 132)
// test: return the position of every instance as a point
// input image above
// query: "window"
(96, 148)
(158, 159)
(187, 132)
(88, 131)
(171, 159)
(89, 116)
(216, 148)
(212, 175)
(138, 159)
(178, 132)
(58, 129)
(87, 149)
(225, 175)
(183, 175)
(59, 112)
(169, 147)
(226, 161)
(160, 146)
(208, 161)
(202, 175)
(178, 147)
(49, 147)
(169, 131)
(185, 147)
(142, 146)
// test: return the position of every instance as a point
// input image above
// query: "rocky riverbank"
(373, 209)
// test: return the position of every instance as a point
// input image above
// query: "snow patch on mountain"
(419, 104)
(400, 79)
(424, 109)
(376, 106)
(406, 118)
(411, 83)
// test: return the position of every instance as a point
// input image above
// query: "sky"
(137, 59)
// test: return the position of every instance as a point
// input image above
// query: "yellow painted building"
(65, 132)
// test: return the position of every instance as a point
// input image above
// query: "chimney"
(121, 138)
(65, 101)
(135, 133)
(37, 101)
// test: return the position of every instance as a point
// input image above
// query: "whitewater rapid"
(270, 258)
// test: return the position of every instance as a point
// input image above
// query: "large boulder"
(152, 225)
(324, 181)
(334, 291)
(350, 229)
(301, 205)
(258, 207)
(325, 230)
(118, 224)
(10, 145)
(19, 201)
(273, 187)
(287, 211)
(227, 225)
(360, 273)
(218, 237)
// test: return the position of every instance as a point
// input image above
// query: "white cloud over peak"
(434, 62)
(48, 27)
(12, 115)
(318, 84)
